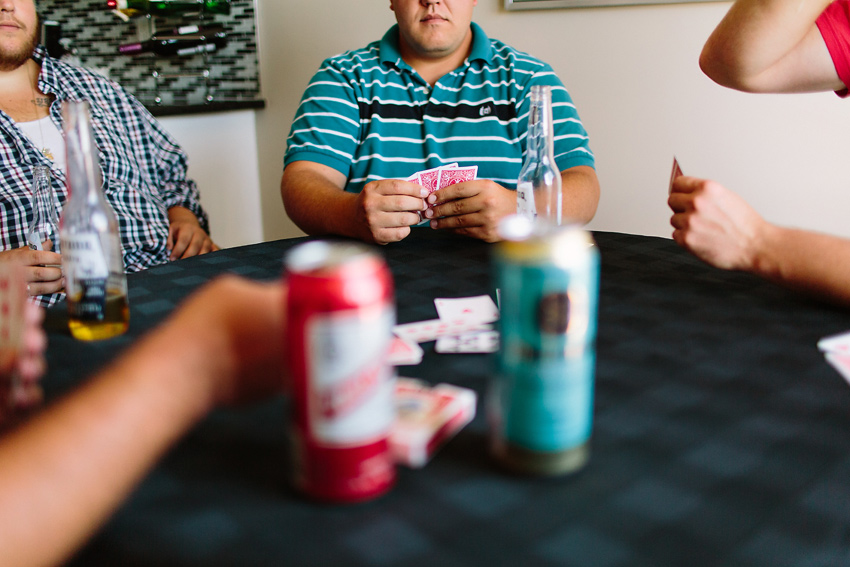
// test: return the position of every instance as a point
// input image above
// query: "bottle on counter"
(95, 283)
(539, 184)
(178, 44)
(169, 7)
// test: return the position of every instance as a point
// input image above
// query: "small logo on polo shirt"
(485, 110)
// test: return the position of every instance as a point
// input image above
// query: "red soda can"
(340, 314)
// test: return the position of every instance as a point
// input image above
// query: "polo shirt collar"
(390, 52)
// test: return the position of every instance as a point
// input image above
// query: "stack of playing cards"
(443, 176)
(463, 326)
(836, 350)
(427, 417)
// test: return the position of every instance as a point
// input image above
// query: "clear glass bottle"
(45, 222)
(166, 45)
(95, 283)
(539, 185)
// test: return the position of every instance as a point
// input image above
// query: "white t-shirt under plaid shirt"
(144, 170)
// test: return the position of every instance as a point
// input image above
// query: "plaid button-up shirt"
(144, 170)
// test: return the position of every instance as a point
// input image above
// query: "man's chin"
(11, 59)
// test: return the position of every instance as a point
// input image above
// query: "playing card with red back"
(677, 172)
(456, 175)
(429, 179)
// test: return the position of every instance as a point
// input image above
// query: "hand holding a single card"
(28, 393)
(41, 272)
(715, 224)
(22, 345)
(473, 208)
(386, 209)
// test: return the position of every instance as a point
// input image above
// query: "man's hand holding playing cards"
(473, 208)
(720, 228)
(768, 46)
(716, 224)
(388, 208)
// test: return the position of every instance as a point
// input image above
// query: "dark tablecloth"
(721, 435)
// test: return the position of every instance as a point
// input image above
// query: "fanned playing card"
(456, 175)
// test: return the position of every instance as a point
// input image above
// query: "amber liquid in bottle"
(116, 317)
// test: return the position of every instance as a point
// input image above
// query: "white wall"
(634, 76)
(222, 150)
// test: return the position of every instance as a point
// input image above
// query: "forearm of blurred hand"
(66, 470)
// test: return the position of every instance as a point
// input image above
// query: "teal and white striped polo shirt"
(369, 115)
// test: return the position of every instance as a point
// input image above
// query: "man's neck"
(432, 69)
(19, 94)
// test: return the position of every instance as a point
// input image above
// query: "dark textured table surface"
(721, 435)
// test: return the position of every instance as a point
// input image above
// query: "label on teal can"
(542, 395)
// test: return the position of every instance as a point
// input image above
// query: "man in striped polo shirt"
(435, 90)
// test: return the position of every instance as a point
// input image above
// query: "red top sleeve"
(834, 26)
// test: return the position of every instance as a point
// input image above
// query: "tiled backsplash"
(95, 33)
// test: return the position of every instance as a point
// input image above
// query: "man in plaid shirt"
(144, 170)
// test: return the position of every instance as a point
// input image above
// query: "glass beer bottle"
(45, 223)
(539, 184)
(95, 283)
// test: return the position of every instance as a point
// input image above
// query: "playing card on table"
(479, 308)
(839, 343)
(404, 353)
(677, 172)
(841, 362)
(424, 331)
(467, 343)
(836, 349)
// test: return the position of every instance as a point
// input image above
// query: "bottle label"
(208, 47)
(91, 302)
(350, 385)
(543, 394)
(525, 200)
(84, 256)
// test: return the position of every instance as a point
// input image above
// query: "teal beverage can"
(540, 401)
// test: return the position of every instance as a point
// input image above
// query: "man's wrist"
(764, 258)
